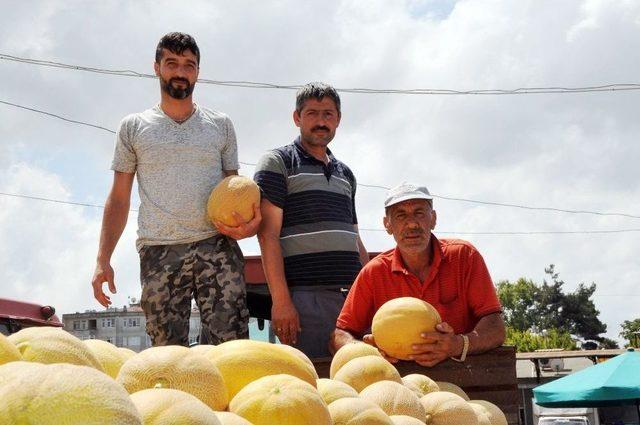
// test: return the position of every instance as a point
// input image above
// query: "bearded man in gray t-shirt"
(179, 152)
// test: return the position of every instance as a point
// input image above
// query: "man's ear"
(296, 118)
(156, 68)
(434, 220)
(387, 225)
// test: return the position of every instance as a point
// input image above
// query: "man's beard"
(176, 93)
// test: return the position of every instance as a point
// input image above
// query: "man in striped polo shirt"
(450, 274)
(311, 249)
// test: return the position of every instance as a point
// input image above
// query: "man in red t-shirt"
(450, 274)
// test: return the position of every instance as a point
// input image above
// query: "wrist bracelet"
(465, 348)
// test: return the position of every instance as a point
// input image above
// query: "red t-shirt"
(458, 286)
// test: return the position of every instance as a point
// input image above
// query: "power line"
(525, 207)
(571, 232)
(559, 232)
(615, 87)
(57, 201)
(108, 130)
(449, 198)
(58, 116)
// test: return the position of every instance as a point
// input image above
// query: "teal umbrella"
(613, 382)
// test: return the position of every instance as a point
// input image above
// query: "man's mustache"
(413, 233)
(177, 79)
(320, 127)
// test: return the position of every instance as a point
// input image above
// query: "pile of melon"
(47, 376)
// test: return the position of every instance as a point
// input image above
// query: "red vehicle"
(15, 315)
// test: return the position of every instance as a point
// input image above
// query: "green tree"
(577, 312)
(519, 303)
(526, 341)
(631, 332)
(528, 306)
(607, 343)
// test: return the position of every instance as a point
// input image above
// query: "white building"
(123, 327)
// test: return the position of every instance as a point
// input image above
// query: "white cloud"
(48, 250)
(573, 151)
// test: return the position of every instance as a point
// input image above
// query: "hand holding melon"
(234, 207)
(399, 324)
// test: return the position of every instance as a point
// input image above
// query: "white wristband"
(465, 348)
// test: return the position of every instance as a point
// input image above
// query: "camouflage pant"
(211, 271)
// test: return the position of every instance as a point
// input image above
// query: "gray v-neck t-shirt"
(177, 166)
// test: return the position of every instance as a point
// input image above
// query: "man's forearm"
(339, 338)
(273, 265)
(364, 254)
(489, 333)
(114, 221)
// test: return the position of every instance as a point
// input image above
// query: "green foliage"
(631, 332)
(607, 343)
(528, 306)
(519, 300)
(526, 341)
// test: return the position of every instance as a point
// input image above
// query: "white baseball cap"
(404, 192)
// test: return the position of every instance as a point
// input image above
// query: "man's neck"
(418, 263)
(176, 109)
(316, 151)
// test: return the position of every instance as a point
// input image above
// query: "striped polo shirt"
(318, 238)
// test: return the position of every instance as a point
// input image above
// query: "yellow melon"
(303, 356)
(53, 345)
(405, 420)
(110, 357)
(280, 399)
(228, 418)
(351, 351)
(445, 408)
(452, 388)
(56, 394)
(399, 323)
(233, 193)
(202, 348)
(175, 367)
(8, 351)
(394, 399)
(331, 390)
(361, 372)
(243, 361)
(165, 406)
(420, 384)
(356, 411)
(488, 413)
(126, 353)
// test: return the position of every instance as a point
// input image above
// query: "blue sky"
(570, 151)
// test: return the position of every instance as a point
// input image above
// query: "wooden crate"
(490, 376)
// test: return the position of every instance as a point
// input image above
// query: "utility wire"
(551, 232)
(416, 91)
(449, 198)
(571, 232)
(57, 201)
(57, 116)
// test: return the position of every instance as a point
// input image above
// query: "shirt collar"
(302, 151)
(398, 266)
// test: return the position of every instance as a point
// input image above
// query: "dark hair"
(177, 42)
(316, 91)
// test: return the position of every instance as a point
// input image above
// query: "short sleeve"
(353, 198)
(482, 296)
(358, 309)
(270, 176)
(124, 156)
(229, 151)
